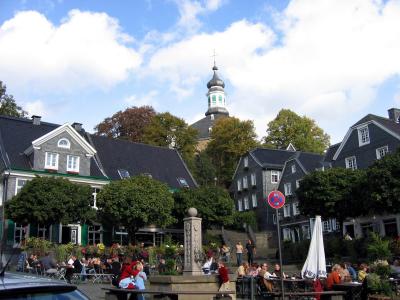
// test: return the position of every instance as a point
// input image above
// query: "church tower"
(216, 109)
(216, 95)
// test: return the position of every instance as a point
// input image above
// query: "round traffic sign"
(276, 199)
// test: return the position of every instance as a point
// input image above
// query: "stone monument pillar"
(193, 243)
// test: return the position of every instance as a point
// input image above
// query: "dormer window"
(72, 164)
(183, 182)
(64, 143)
(51, 161)
(246, 162)
(123, 173)
(363, 136)
(293, 169)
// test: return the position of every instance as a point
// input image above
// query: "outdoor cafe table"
(292, 284)
(353, 289)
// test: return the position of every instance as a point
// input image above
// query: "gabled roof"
(310, 161)
(271, 158)
(330, 152)
(161, 163)
(386, 124)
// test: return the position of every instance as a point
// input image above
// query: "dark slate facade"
(265, 165)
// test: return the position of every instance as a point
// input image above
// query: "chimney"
(36, 120)
(394, 114)
(77, 126)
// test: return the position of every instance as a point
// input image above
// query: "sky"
(83, 60)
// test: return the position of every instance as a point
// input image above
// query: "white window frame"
(92, 234)
(382, 151)
(305, 229)
(296, 210)
(19, 231)
(286, 234)
(67, 146)
(72, 169)
(46, 162)
(239, 185)
(363, 136)
(254, 200)
(351, 163)
(293, 168)
(288, 188)
(326, 226)
(245, 185)
(240, 205)
(276, 174)
(246, 162)
(298, 183)
(286, 211)
(18, 187)
(253, 179)
(246, 203)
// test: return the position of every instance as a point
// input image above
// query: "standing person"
(251, 250)
(223, 277)
(239, 253)
(226, 253)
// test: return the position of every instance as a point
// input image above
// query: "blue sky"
(71, 60)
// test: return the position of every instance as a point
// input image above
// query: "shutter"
(107, 236)
(55, 233)
(10, 232)
(84, 234)
(33, 230)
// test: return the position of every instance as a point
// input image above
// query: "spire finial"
(215, 65)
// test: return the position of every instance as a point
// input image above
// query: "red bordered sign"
(276, 199)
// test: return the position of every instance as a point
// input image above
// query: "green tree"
(213, 203)
(167, 130)
(230, 138)
(128, 124)
(302, 132)
(203, 169)
(50, 200)
(135, 202)
(334, 193)
(383, 185)
(8, 106)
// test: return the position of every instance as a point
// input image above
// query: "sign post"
(277, 200)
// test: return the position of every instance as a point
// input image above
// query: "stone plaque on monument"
(193, 243)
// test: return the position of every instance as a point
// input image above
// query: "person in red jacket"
(223, 277)
(128, 274)
(333, 277)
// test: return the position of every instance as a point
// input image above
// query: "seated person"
(344, 273)
(278, 272)
(333, 277)
(395, 268)
(243, 270)
(73, 266)
(265, 277)
(352, 271)
(207, 265)
(362, 272)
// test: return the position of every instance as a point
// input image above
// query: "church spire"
(216, 94)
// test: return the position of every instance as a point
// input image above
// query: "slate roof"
(163, 164)
(166, 165)
(388, 123)
(330, 152)
(310, 161)
(271, 158)
(204, 124)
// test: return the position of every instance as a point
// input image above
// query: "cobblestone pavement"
(93, 290)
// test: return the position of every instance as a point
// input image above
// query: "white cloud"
(37, 108)
(146, 99)
(86, 50)
(327, 60)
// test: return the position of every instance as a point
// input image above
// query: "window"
(246, 203)
(286, 234)
(297, 183)
(20, 182)
(381, 152)
(254, 200)
(288, 189)
(19, 235)
(240, 205)
(72, 163)
(286, 210)
(183, 182)
(351, 163)
(274, 176)
(326, 226)
(123, 173)
(220, 99)
(245, 186)
(51, 161)
(293, 169)
(363, 136)
(44, 232)
(253, 179)
(64, 143)
(306, 232)
(94, 234)
(296, 210)
(214, 99)
(246, 162)
(239, 185)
